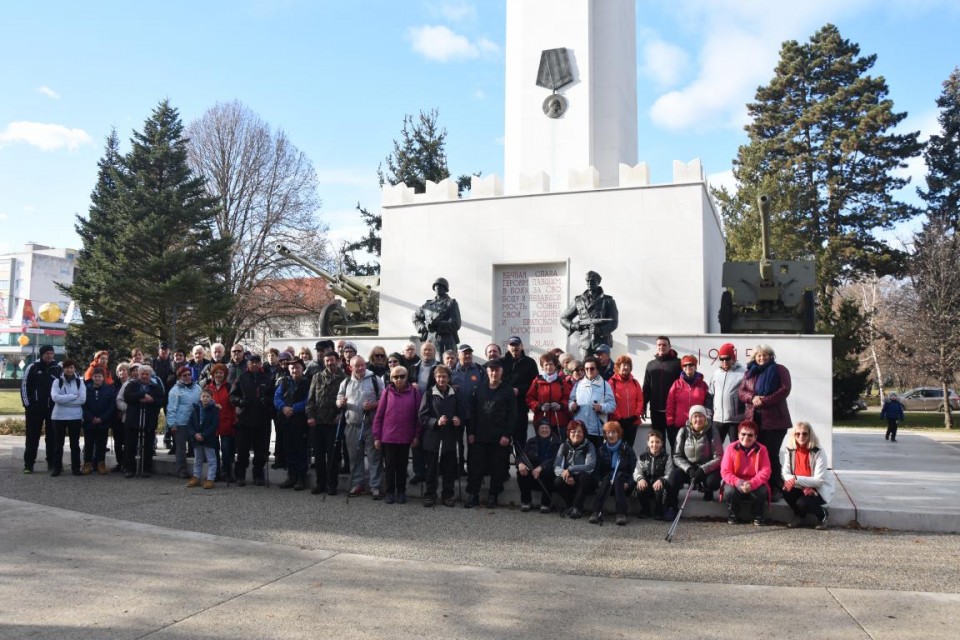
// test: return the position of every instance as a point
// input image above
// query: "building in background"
(28, 280)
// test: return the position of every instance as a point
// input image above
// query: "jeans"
(757, 499)
(228, 445)
(357, 444)
(620, 488)
(180, 447)
(203, 454)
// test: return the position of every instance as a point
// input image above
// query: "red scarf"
(801, 464)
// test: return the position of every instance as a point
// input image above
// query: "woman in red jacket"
(227, 424)
(687, 391)
(548, 394)
(629, 394)
(745, 470)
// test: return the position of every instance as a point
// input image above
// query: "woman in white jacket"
(807, 484)
(68, 394)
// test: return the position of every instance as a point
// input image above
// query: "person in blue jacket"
(892, 412)
(98, 410)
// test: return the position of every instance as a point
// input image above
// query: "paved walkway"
(65, 574)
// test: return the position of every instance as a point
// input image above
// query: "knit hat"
(688, 359)
(45, 348)
(727, 350)
(697, 408)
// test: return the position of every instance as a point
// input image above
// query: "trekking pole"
(335, 454)
(141, 442)
(606, 490)
(526, 460)
(676, 521)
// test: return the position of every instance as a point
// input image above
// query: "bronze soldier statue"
(438, 320)
(593, 316)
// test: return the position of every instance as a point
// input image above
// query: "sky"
(338, 78)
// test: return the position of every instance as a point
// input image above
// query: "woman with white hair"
(764, 391)
(807, 485)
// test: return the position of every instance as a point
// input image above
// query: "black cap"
(514, 340)
(164, 345)
(323, 346)
(44, 349)
(255, 357)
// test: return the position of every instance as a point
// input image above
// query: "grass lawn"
(915, 420)
(10, 401)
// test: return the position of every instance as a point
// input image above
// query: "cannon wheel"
(333, 320)
(809, 313)
(726, 312)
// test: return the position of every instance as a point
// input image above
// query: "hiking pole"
(335, 454)
(526, 460)
(141, 441)
(676, 521)
(606, 490)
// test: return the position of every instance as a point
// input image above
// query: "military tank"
(356, 311)
(769, 296)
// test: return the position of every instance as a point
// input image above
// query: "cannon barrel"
(766, 271)
(340, 284)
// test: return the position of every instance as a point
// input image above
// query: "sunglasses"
(801, 433)
(689, 365)
(588, 369)
(748, 435)
(398, 377)
(724, 359)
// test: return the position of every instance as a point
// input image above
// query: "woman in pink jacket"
(687, 391)
(396, 427)
(745, 470)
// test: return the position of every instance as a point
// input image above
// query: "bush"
(13, 427)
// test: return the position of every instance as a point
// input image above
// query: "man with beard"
(322, 416)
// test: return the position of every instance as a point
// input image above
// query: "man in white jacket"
(724, 388)
(68, 394)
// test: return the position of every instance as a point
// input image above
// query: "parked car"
(928, 399)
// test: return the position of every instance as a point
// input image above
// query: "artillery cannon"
(769, 296)
(357, 314)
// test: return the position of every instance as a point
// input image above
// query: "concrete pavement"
(67, 574)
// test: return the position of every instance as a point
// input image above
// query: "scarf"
(550, 378)
(766, 375)
(614, 453)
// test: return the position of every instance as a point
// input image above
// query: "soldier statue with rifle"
(438, 320)
(593, 316)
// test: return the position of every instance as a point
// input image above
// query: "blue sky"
(338, 78)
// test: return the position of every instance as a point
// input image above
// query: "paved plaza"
(105, 557)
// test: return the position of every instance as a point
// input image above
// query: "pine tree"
(96, 263)
(822, 146)
(942, 156)
(158, 259)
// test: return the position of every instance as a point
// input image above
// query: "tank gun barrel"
(766, 271)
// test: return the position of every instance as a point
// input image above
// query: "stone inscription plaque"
(527, 302)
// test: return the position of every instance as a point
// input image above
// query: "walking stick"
(676, 521)
(141, 441)
(526, 460)
(335, 454)
(606, 490)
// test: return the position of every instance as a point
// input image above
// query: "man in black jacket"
(519, 371)
(322, 416)
(494, 411)
(38, 378)
(660, 375)
(252, 395)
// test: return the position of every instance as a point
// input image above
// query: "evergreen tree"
(419, 155)
(163, 262)
(96, 263)
(821, 144)
(942, 155)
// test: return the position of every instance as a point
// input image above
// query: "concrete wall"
(807, 357)
(658, 249)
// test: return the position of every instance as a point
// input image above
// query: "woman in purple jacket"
(764, 391)
(396, 428)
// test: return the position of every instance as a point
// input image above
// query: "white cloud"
(29, 208)
(916, 168)
(3, 216)
(723, 179)
(50, 93)
(458, 11)
(479, 94)
(441, 44)
(44, 136)
(665, 63)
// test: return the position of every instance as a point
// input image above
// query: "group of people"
(449, 417)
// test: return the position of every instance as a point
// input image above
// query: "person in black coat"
(615, 464)
(535, 467)
(144, 398)
(494, 411)
(659, 376)
(98, 412)
(442, 427)
(519, 372)
(252, 395)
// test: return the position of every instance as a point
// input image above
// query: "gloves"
(555, 406)
(700, 476)
(692, 472)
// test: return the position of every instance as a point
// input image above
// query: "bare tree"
(267, 190)
(934, 305)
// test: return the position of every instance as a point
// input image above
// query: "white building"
(32, 274)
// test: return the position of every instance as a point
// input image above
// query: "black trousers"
(441, 465)
(296, 444)
(326, 455)
(630, 426)
(37, 415)
(892, 425)
(487, 459)
(712, 482)
(619, 488)
(119, 436)
(395, 467)
(653, 501)
(728, 430)
(772, 439)
(658, 422)
(95, 444)
(131, 447)
(575, 495)
(62, 429)
(528, 484)
(255, 435)
(804, 505)
(757, 499)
